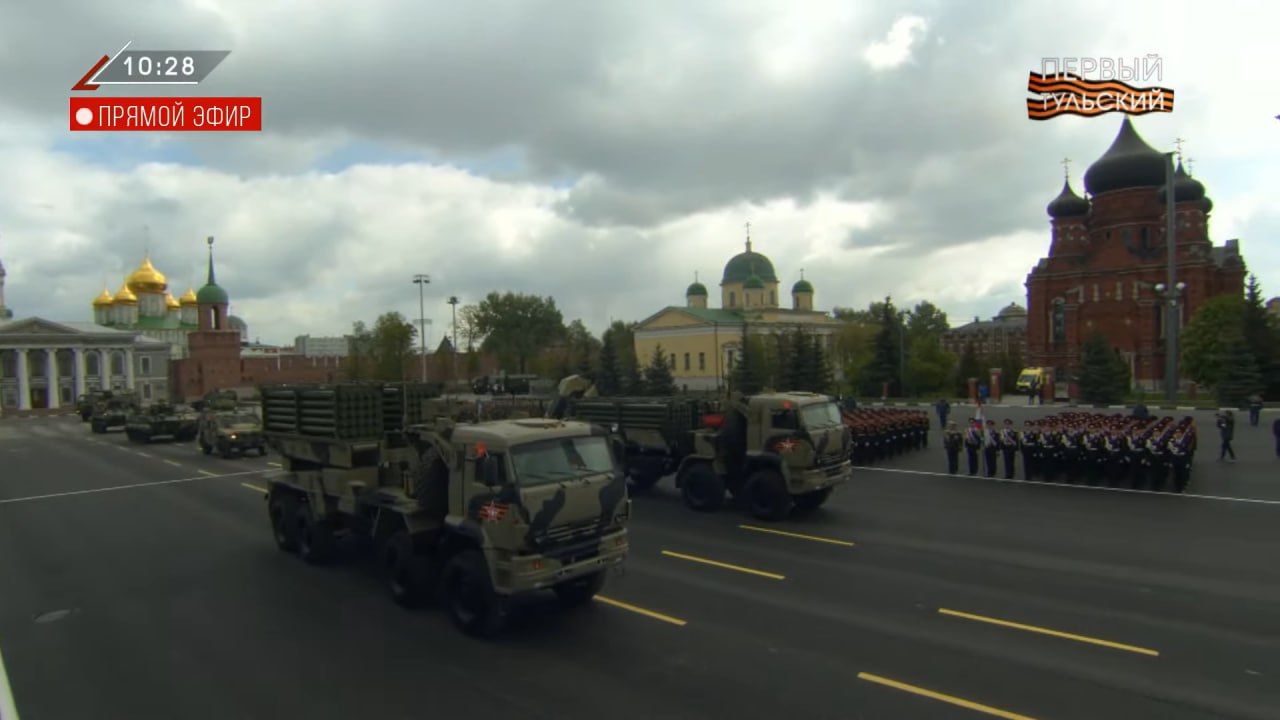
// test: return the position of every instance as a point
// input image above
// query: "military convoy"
(775, 450)
(470, 514)
(160, 420)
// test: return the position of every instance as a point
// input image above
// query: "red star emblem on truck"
(492, 512)
(786, 445)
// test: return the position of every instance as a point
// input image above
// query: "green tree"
(517, 326)
(1262, 334)
(1237, 376)
(658, 380)
(391, 342)
(622, 337)
(583, 348)
(359, 351)
(926, 320)
(1204, 342)
(929, 367)
(747, 375)
(609, 378)
(469, 335)
(887, 361)
(1104, 374)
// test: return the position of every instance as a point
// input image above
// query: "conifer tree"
(658, 380)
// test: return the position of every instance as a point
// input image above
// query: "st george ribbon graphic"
(151, 67)
(1069, 94)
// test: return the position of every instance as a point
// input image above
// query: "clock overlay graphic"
(165, 114)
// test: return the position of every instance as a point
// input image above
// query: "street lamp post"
(421, 281)
(453, 303)
(1171, 288)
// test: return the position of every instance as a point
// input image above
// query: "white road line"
(1222, 498)
(52, 496)
(8, 709)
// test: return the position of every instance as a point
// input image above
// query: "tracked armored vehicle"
(774, 451)
(469, 514)
(112, 412)
(160, 420)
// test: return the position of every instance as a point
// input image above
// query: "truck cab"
(777, 451)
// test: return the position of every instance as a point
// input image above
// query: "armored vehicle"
(470, 514)
(112, 412)
(776, 450)
(160, 420)
(85, 403)
(228, 432)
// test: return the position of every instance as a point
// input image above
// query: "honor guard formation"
(1080, 448)
(881, 433)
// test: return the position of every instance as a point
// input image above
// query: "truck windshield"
(229, 420)
(1027, 377)
(552, 461)
(820, 415)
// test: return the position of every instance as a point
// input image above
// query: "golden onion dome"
(147, 279)
(171, 302)
(125, 296)
(103, 299)
(189, 297)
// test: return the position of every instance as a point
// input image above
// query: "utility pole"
(1171, 288)
(421, 281)
(453, 302)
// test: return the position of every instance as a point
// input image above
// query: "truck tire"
(767, 495)
(468, 595)
(316, 539)
(282, 508)
(407, 574)
(580, 591)
(431, 481)
(701, 487)
(812, 500)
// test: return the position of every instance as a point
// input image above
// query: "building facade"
(47, 365)
(1004, 334)
(1107, 262)
(702, 344)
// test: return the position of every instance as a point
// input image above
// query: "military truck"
(160, 420)
(227, 426)
(470, 514)
(112, 412)
(775, 450)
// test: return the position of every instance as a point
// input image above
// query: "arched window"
(733, 299)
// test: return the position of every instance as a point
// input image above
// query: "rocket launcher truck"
(467, 514)
(774, 450)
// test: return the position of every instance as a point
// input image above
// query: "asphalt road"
(141, 582)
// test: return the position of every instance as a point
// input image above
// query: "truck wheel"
(282, 508)
(469, 598)
(812, 500)
(580, 591)
(767, 495)
(407, 574)
(317, 543)
(701, 488)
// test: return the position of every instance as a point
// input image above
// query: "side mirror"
(488, 471)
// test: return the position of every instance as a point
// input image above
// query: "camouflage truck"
(112, 412)
(85, 403)
(469, 514)
(775, 450)
(160, 420)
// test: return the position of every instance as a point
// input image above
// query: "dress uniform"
(952, 441)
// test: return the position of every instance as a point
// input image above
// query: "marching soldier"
(952, 441)
(1030, 442)
(991, 448)
(1009, 448)
(973, 441)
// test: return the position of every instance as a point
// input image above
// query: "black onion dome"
(1185, 187)
(1067, 204)
(1129, 163)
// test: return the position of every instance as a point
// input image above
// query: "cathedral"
(1106, 268)
(703, 343)
(144, 305)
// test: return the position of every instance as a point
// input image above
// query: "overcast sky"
(602, 151)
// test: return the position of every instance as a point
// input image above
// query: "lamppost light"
(1181, 286)
(1160, 287)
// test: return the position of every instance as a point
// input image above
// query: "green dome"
(753, 283)
(802, 286)
(743, 265)
(212, 294)
(696, 289)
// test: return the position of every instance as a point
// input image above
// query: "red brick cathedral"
(1107, 254)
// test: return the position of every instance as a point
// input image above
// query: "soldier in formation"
(952, 442)
(1112, 450)
(884, 432)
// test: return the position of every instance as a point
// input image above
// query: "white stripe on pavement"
(52, 496)
(1066, 485)
(8, 710)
